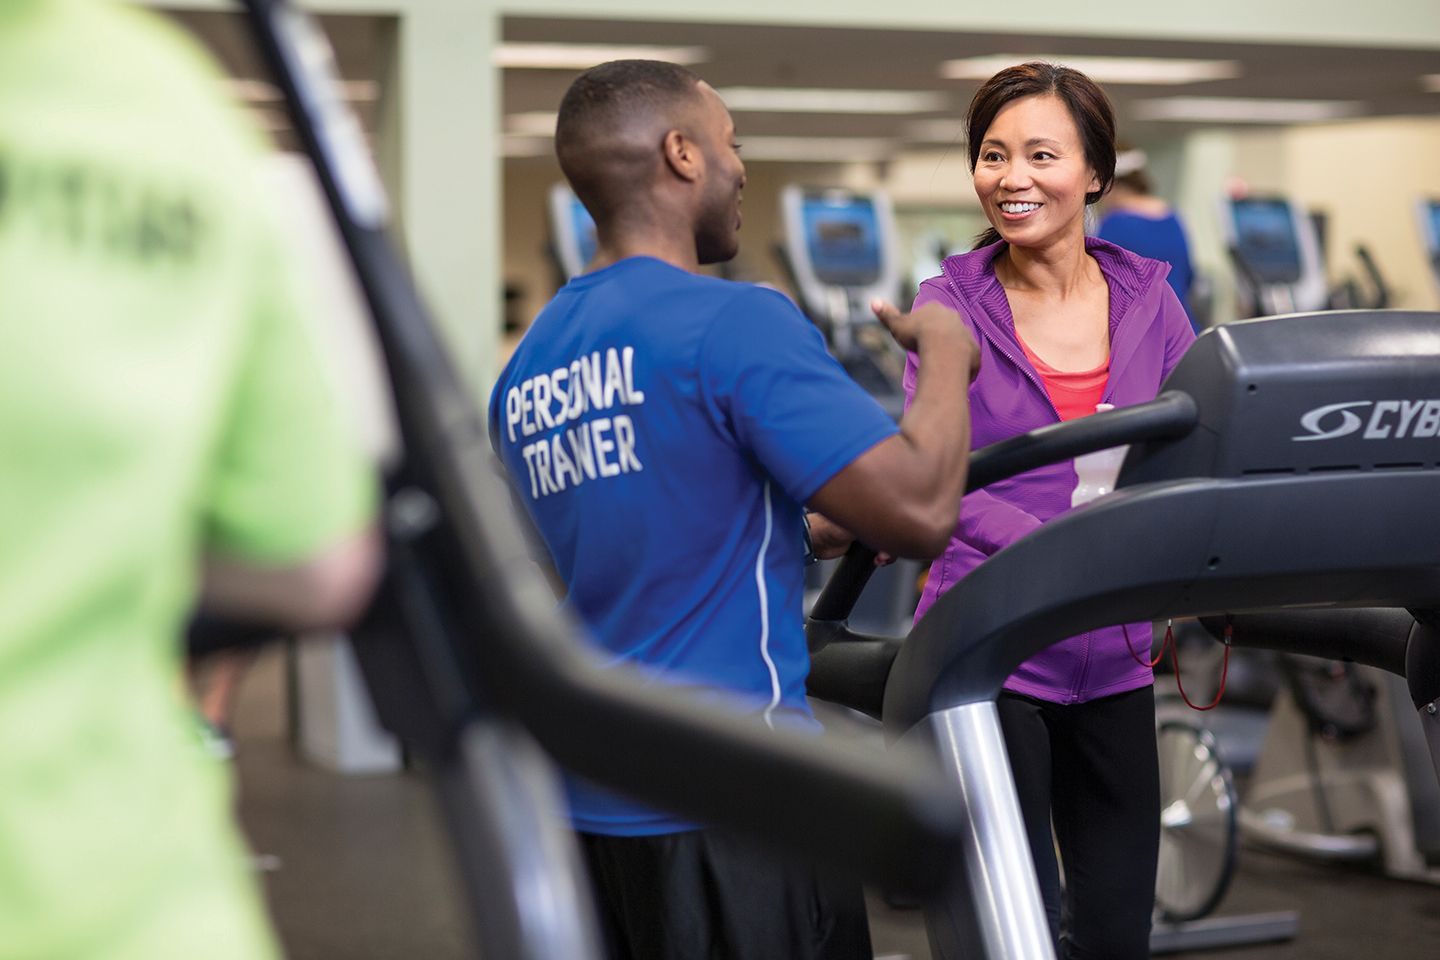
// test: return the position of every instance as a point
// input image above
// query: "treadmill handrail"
(1218, 544)
(888, 816)
(1170, 416)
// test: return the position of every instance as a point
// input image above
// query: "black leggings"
(1091, 767)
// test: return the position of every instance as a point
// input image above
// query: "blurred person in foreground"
(168, 437)
(1142, 223)
(666, 430)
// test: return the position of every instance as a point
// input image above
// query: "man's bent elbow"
(930, 527)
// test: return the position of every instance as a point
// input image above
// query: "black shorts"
(705, 895)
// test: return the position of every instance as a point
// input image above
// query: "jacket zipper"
(1028, 369)
(1084, 669)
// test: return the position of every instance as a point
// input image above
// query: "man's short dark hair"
(604, 100)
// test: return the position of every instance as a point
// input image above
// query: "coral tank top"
(1073, 394)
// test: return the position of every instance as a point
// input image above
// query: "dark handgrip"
(1374, 636)
(1377, 280)
(846, 584)
(890, 817)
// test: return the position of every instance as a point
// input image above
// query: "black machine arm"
(1169, 416)
(1402, 642)
(890, 818)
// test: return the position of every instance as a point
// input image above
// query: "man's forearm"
(903, 495)
(329, 590)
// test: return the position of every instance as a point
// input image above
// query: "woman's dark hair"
(1089, 107)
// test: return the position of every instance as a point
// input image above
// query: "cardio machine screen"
(1432, 222)
(1265, 238)
(842, 237)
(584, 230)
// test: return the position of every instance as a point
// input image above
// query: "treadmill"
(1275, 248)
(469, 659)
(841, 251)
(1277, 470)
(1427, 212)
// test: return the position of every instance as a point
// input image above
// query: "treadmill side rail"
(1003, 892)
(529, 894)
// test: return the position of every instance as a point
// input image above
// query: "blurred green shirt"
(159, 397)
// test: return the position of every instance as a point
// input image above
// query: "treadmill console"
(1337, 391)
(1266, 237)
(841, 248)
(1277, 251)
(1429, 213)
(842, 238)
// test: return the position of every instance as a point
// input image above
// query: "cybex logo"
(1388, 419)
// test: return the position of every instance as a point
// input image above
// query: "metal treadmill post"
(1009, 911)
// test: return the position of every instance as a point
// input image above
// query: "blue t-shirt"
(1159, 238)
(664, 429)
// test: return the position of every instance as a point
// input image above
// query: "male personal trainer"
(664, 429)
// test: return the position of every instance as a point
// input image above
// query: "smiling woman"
(1064, 323)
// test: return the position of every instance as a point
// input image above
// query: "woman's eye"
(1043, 155)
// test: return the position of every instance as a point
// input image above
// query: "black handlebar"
(889, 817)
(1169, 416)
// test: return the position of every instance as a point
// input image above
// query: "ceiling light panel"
(817, 149)
(935, 131)
(537, 123)
(583, 56)
(522, 146)
(1155, 70)
(1244, 110)
(796, 100)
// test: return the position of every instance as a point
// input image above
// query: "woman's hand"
(830, 540)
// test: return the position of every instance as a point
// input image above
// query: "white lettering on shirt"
(526, 427)
(581, 449)
(562, 463)
(632, 395)
(542, 402)
(562, 395)
(602, 447)
(577, 404)
(542, 467)
(625, 444)
(593, 376)
(529, 454)
(614, 379)
(512, 410)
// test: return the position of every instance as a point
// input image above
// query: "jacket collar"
(1136, 286)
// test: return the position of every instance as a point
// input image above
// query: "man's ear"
(683, 156)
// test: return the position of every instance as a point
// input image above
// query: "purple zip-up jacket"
(1149, 332)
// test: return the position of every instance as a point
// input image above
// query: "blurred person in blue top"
(666, 431)
(1142, 223)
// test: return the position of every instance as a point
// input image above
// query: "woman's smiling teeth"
(1016, 207)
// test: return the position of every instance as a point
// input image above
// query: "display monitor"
(584, 226)
(1266, 238)
(1430, 221)
(842, 237)
(572, 231)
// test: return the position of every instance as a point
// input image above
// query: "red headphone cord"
(1169, 642)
